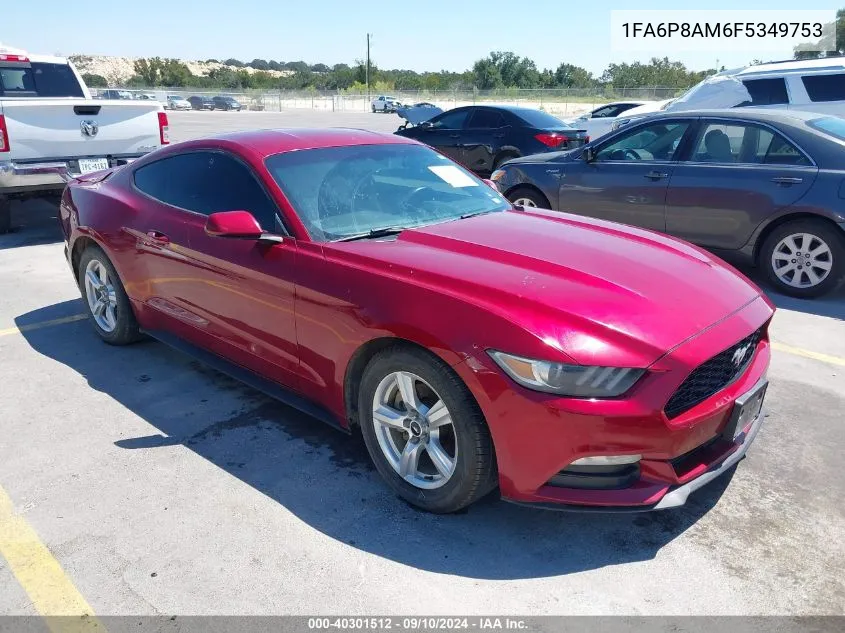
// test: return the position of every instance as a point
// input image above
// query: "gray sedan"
(765, 187)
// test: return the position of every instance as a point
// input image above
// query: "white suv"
(813, 85)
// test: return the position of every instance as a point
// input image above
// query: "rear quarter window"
(825, 87)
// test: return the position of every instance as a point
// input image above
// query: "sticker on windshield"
(453, 176)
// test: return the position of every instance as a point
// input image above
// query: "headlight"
(497, 175)
(577, 381)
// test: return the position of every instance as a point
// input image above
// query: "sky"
(414, 34)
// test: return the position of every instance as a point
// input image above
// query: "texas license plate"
(746, 409)
(92, 164)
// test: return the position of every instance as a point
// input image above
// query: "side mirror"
(235, 224)
(589, 154)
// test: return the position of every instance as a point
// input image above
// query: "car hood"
(597, 291)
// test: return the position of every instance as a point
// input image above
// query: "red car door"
(239, 293)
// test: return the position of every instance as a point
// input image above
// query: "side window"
(825, 87)
(451, 120)
(657, 141)
(207, 182)
(747, 144)
(767, 91)
(606, 111)
(486, 119)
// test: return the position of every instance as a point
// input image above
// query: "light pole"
(367, 69)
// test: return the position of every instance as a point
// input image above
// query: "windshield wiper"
(475, 213)
(381, 232)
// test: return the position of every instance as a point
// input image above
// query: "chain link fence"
(564, 102)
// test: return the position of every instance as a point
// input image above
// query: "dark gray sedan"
(765, 187)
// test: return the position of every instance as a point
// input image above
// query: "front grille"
(713, 375)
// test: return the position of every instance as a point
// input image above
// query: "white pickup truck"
(52, 130)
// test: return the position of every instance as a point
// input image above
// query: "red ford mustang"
(370, 282)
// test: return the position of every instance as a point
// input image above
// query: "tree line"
(497, 70)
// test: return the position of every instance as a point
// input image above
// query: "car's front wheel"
(108, 305)
(424, 431)
(804, 258)
(528, 198)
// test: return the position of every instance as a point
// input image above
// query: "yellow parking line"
(37, 326)
(52, 593)
(798, 351)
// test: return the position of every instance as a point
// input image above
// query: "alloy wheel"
(802, 260)
(524, 202)
(415, 430)
(101, 296)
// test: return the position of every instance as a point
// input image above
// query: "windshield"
(176, 98)
(343, 191)
(832, 126)
(43, 80)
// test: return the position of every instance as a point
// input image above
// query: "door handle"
(454, 136)
(656, 175)
(158, 237)
(786, 180)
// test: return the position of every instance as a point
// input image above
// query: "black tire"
(126, 330)
(526, 193)
(374, 109)
(502, 159)
(474, 473)
(5, 215)
(820, 230)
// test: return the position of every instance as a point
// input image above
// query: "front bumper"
(676, 496)
(537, 437)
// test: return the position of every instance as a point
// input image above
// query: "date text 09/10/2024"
(417, 623)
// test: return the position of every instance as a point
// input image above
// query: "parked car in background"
(384, 103)
(51, 129)
(223, 102)
(146, 96)
(112, 93)
(417, 113)
(372, 283)
(810, 85)
(199, 102)
(646, 109)
(483, 137)
(177, 102)
(759, 186)
(598, 121)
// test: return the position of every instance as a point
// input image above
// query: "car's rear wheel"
(5, 215)
(108, 305)
(502, 159)
(424, 431)
(528, 198)
(804, 258)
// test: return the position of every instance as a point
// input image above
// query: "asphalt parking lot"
(140, 482)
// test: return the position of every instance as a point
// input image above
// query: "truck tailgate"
(70, 128)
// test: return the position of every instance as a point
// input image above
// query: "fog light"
(607, 460)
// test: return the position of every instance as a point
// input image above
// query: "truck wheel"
(5, 215)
